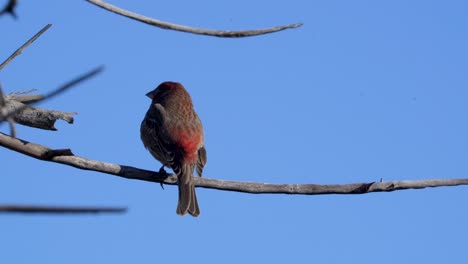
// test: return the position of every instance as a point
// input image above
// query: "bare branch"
(200, 31)
(59, 209)
(44, 153)
(10, 8)
(25, 45)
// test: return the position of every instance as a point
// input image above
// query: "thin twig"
(41, 152)
(200, 31)
(25, 45)
(59, 209)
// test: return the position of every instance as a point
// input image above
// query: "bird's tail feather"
(187, 197)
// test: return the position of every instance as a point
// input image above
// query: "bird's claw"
(162, 171)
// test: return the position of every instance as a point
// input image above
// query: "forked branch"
(65, 156)
(193, 30)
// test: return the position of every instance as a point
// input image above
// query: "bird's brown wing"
(159, 143)
(201, 162)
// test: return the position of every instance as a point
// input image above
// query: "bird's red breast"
(190, 143)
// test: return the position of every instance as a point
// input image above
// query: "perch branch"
(59, 209)
(200, 31)
(25, 45)
(44, 153)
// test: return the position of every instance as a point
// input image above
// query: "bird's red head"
(165, 88)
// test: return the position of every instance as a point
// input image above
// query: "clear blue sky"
(364, 90)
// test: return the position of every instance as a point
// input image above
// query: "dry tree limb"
(200, 31)
(59, 209)
(25, 45)
(10, 8)
(44, 153)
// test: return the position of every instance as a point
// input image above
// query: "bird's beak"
(150, 95)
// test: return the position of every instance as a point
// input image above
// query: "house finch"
(173, 134)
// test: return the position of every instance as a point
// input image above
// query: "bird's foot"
(163, 172)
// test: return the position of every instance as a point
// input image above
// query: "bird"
(173, 133)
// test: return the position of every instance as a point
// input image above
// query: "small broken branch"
(59, 209)
(40, 152)
(35, 117)
(200, 31)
